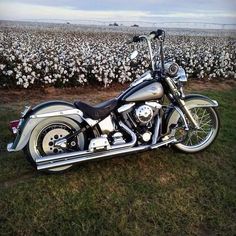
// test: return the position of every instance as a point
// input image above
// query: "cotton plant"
(60, 56)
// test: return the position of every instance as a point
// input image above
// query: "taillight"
(14, 126)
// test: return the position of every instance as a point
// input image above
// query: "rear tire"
(43, 135)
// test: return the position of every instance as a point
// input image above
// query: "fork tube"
(176, 94)
(188, 113)
(162, 57)
(150, 53)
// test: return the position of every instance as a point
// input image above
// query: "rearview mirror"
(133, 55)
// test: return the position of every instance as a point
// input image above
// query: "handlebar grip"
(136, 39)
(152, 35)
(158, 33)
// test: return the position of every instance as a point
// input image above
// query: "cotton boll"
(9, 72)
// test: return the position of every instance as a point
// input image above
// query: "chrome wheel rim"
(197, 140)
(49, 139)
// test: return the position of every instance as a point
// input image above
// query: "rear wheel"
(44, 135)
(198, 139)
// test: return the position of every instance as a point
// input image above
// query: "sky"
(173, 11)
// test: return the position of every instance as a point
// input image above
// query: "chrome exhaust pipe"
(83, 156)
(131, 133)
(86, 153)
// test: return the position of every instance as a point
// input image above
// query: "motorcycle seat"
(100, 111)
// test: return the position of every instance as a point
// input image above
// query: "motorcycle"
(55, 135)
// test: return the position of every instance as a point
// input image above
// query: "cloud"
(112, 10)
(158, 6)
(19, 11)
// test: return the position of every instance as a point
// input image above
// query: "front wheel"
(197, 140)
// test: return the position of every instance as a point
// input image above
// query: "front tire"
(45, 133)
(198, 140)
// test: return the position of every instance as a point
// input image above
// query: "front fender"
(28, 124)
(197, 100)
(191, 101)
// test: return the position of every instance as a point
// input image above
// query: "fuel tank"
(148, 90)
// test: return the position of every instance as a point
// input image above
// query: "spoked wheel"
(43, 138)
(197, 140)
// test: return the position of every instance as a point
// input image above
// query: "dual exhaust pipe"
(64, 159)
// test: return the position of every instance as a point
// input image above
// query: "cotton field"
(52, 55)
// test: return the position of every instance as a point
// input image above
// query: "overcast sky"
(213, 11)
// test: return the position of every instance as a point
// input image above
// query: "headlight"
(171, 68)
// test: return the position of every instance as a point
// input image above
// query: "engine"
(142, 118)
(143, 114)
(139, 118)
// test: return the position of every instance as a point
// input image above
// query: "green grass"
(153, 193)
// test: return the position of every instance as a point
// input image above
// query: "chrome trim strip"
(58, 113)
(90, 121)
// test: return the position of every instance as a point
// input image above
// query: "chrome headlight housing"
(171, 68)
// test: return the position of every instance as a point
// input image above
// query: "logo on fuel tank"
(153, 90)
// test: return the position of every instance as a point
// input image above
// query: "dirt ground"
(96, 94)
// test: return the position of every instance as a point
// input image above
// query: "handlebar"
(160, 35)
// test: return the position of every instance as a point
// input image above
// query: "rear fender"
(36, 115)
(191, 101)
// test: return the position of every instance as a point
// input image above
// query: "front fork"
(188, 113)
(177, 96)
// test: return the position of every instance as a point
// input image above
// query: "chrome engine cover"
(144, 114)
